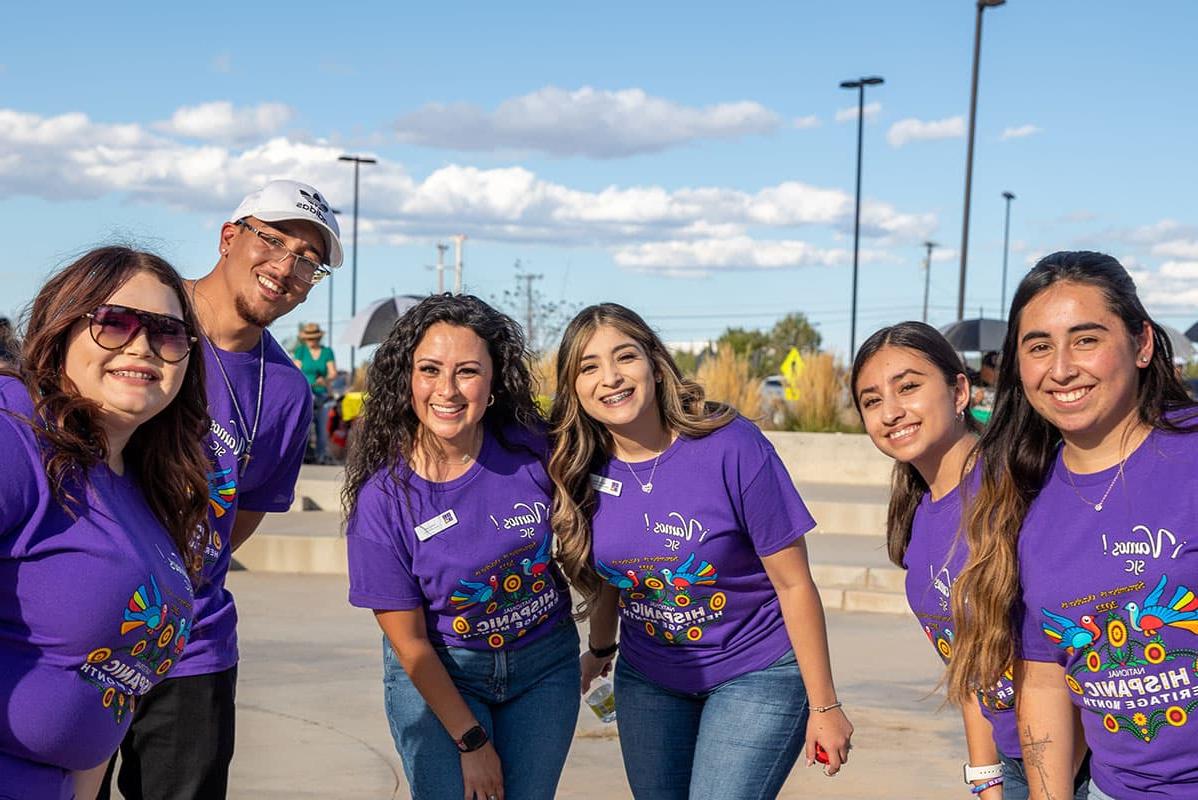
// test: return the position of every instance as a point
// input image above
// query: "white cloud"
(1177, 248)
(1185, 270)
(1019, 132)
(916, 130)
(71, 157)
(850, 114)
(221, 121)
(809, 121)
(585, 122)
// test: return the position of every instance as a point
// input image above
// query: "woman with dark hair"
(911, 390)
(1082, 557)
(449, 545)
(678, 516)
(103, 509)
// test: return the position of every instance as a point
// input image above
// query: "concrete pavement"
(311, 722)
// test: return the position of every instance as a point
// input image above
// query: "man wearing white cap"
(280, 241)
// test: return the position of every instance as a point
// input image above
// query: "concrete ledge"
(316, 555)
(831, 457)
(876, 602)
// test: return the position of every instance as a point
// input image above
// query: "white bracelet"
(982, 773)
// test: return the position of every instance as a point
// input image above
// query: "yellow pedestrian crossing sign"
(792, 368)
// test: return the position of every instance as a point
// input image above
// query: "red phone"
(821, 755)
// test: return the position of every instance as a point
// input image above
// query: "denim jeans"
(737, 741)
(1097, 794)
(526, 700)
(1014, 784)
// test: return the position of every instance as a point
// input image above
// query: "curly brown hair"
(167, 451)
(388, 431)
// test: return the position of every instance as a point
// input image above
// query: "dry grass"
(823, 402)
(728, 378)
(544, 380)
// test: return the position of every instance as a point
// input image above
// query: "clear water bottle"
(602, 700)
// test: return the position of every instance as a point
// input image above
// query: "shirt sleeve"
(277, 492)
(380, 563)
(770, 507)
(18, 479)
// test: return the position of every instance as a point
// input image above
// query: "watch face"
(474, 738)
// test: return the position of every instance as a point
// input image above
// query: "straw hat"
(310, 330)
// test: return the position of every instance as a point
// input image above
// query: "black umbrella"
(1192, 332)
(976, 335)
(372, 324)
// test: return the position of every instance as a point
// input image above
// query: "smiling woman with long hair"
(103, 509)
(677, 516)
(1082, 561)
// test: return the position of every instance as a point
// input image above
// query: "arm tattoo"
(1033, 756)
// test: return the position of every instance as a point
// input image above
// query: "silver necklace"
(647, 486)
(1110, 486)
(244, 460)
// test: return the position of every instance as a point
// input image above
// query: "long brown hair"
(907, 485)
(1018, 449)
(582, 445)
(166, 452)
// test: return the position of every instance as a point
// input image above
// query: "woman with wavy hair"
(1082, 558)
(103, 510)
(449, 545)
(677, 516)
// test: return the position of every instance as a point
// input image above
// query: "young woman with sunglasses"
(677, 517)
(103, 504)
(1083, 558)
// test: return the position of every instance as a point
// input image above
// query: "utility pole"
(441, 248)
(458, 238)
(927, 277)
(357, 161)
(528, 278)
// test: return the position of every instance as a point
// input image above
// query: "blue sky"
(693, 161)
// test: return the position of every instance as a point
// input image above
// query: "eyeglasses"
(113, 327)
(305, 268)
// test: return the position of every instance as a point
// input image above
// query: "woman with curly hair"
(449, 545)
(103, 511)
(678, 517)
(1082, 559)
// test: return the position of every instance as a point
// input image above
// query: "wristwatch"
(472, 740)
(982, 773)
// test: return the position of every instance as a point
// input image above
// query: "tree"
(765, 350)
(542, 319)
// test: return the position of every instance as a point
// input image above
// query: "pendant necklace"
(244, 460)
(647, 486)
(1097, 506)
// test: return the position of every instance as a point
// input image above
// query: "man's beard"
(248, 314)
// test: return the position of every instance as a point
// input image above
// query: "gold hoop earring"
(491, 401)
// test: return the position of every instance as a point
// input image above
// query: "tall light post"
(329, 280)
(358, 161)
(982, 5)
(1006, 246)
(859, 85)
(927, 277)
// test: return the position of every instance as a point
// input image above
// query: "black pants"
(181, 741)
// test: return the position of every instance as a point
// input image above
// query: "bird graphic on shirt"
(472, 593)
(621, 580)
(1067, 634)
(1180, 612)
(183, 635)
(704, 575)
(141, 611)
(538, 564)
(221, 491)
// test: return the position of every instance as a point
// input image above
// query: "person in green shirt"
(318, 365)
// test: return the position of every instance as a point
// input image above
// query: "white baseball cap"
(282, 200)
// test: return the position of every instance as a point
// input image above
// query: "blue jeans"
(1014, 783)
(526, 700)
(737, 741)
(1097, 794)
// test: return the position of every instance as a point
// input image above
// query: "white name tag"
(606, 485)
(429, 529)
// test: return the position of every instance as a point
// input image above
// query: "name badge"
(429, 529)
(606, 485)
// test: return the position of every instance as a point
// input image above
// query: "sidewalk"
(311, 722)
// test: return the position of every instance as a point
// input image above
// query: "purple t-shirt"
(94, 611)
(696, 606)
(1109, 596)
(473, 552)
(933, 561)
(267, 483)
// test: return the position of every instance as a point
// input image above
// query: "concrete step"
(854, 573)
(846, 508)
(318, 488)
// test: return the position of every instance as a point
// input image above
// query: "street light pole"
(1006, 245)
(927, 277)
(973, 110)
(358, 161)
(329, 280)
(859, 85)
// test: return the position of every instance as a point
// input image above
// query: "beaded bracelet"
(990, 784)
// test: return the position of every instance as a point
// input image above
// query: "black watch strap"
(473, 739)
(603, 652)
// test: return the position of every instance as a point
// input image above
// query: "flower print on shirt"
(674, 605)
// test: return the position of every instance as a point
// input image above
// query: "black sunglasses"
(113, 327)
